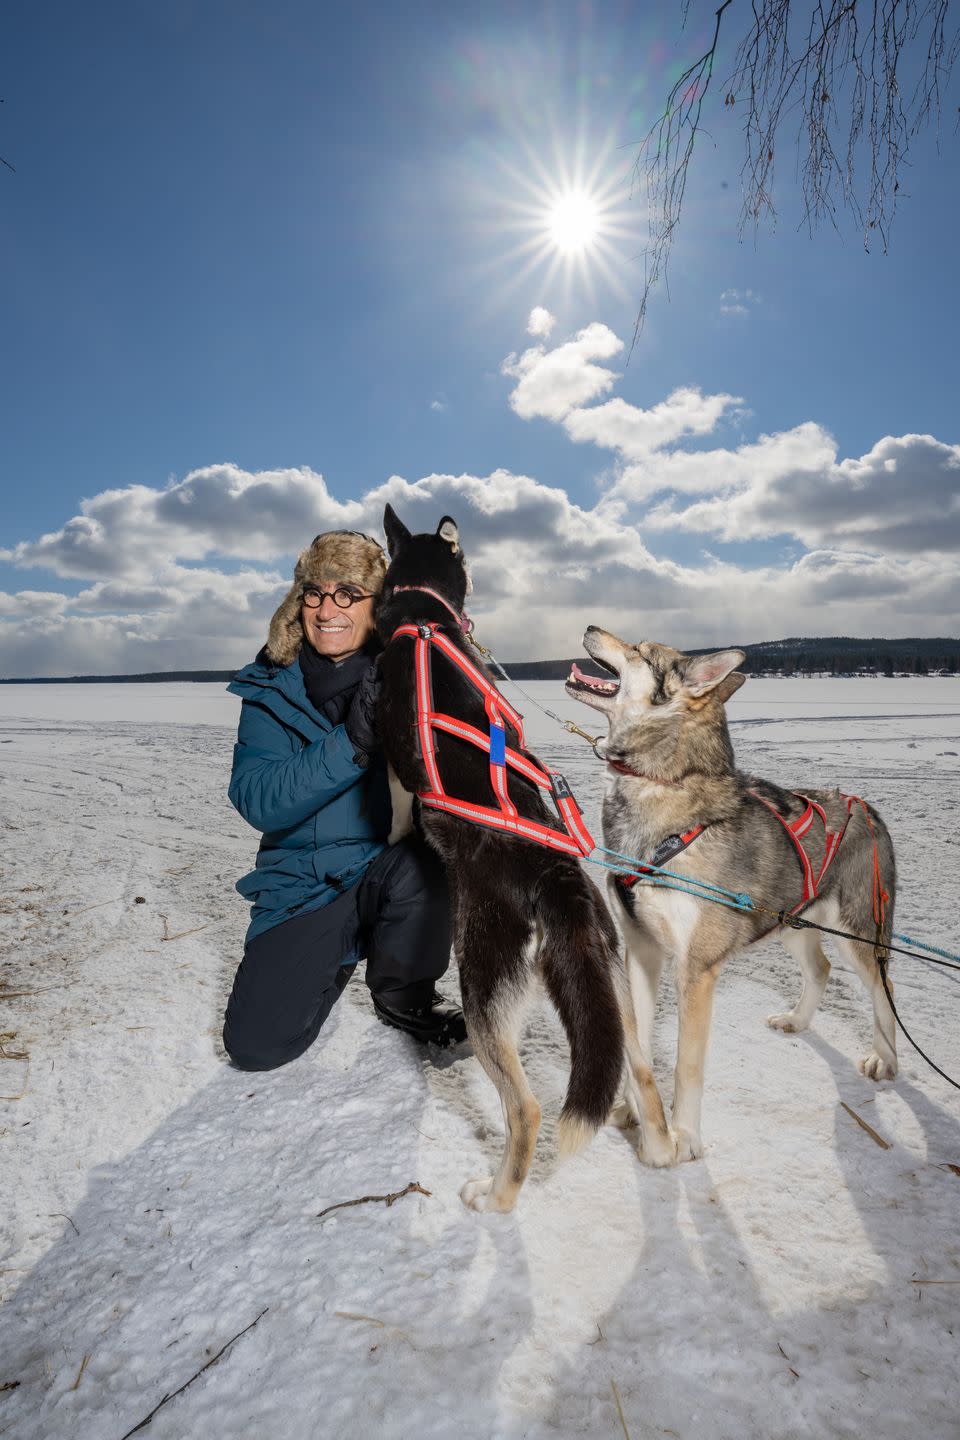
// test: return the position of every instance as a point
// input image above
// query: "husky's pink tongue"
(577, 674)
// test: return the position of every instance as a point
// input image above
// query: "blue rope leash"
(669, 879)
(921, 945)
(677, 882)
(739, 901)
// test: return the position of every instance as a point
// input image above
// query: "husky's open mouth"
(578, 681)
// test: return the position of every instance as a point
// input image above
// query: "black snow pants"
(397, 916)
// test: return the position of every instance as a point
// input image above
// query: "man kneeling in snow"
(307, 773)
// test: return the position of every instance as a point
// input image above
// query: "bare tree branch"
(2, 161)
(664, 158)
(839, 76)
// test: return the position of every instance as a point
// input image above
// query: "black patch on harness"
(664, 851)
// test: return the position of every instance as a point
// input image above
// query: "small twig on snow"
(25, 1082)
(413, 1187)
(41, 990)
(616, 1396)
(83, 1365)
(59, 1215)
(180, 933)
(884, 1144)
(370, 1319)
(787, 1358)
(174, 1393)
(99, 906)
(70, 914)
(6, 1054)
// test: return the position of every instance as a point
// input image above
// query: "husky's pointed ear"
(447, 530)
(395, 531)
(714, 672)
(730, 685)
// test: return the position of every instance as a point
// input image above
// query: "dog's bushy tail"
(578, 953)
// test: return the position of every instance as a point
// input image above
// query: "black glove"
(360, 721)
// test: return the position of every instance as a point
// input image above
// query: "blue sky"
(268, 266)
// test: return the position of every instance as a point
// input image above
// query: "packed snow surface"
(799, 1280)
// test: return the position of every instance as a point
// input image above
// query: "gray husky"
(674, 798)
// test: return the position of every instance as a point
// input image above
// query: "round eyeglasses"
(342, 597)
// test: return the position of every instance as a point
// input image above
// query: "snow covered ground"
(800, 1280)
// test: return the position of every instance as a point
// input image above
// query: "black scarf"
(331, 684)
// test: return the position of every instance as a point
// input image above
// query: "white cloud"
(553, 382)
(69, 644)
(218, 510)
(636, 433)
(738, 302)
(32, 602)
(540, 321)
(187, 575)
(902, 497)
(438, 405)
(801, 452)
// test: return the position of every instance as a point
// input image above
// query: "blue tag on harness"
(498, 745)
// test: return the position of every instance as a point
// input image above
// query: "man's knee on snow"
(250, 1046)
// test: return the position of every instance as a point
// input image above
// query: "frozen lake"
(185, 703)
(799, 1280)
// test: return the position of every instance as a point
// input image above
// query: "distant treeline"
(155, 677)
(830, 655)
(833, 655)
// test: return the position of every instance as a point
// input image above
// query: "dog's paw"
(480, 1195)
(623, 1116)
(876, 1068)
(658, 1150)
(787, 1022)
(689, 1147)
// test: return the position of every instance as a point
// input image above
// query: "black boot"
(438, 1023)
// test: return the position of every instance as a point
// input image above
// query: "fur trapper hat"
(345, 555)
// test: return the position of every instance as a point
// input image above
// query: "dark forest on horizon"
(841, 655)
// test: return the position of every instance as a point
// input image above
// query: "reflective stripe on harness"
(798, 828)
(574, 839)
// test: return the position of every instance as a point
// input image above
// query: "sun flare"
(570, 219)
(574, 222)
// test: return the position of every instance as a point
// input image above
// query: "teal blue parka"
(322, 818)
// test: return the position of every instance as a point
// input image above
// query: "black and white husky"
(519, 910)
(671, 769)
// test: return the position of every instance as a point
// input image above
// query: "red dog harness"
(796, 829)
(574, 838)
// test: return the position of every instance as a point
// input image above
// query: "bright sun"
(571, 221)
(574, 222)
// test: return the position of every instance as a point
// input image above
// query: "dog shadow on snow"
(183, 1242)
(714, 1330)
(746, 1301)
(424, 1318)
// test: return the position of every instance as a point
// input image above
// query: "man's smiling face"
(332, 631)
